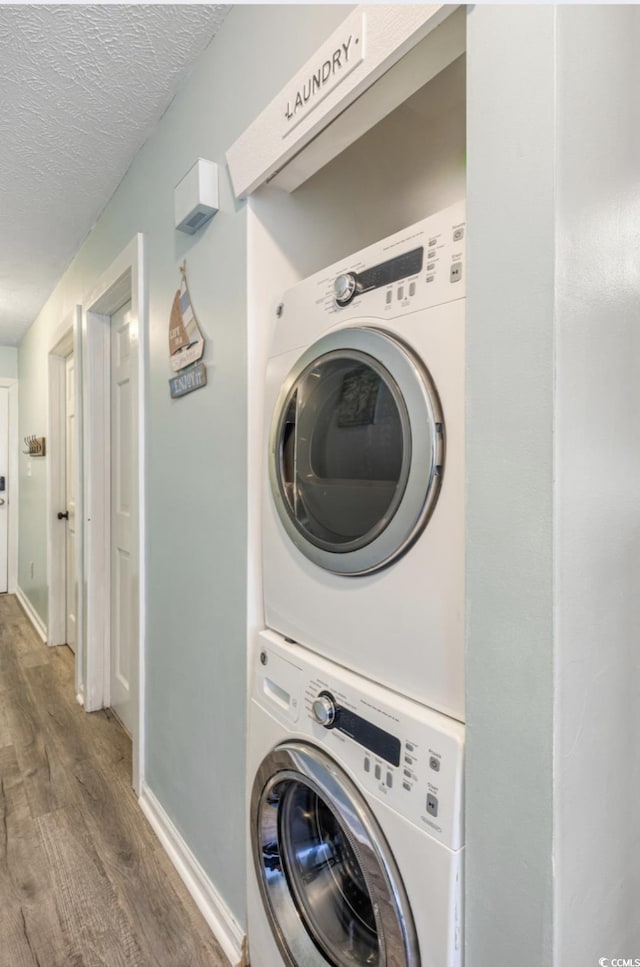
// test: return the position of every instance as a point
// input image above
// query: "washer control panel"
(397, 750)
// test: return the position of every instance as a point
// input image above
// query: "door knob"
(63, 516)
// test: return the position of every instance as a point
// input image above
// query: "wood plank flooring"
(83, 880)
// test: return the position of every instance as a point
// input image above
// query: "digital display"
(392, 271)
(376, 740)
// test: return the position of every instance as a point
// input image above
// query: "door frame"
(66, 340)
(124, 280)
(13, 476)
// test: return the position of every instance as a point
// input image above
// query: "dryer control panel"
(415, 269)
(397, 750)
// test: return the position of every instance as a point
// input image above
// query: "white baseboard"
(224, 927)
(31, 614)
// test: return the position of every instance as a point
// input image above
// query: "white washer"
(355, 819)
(363, 534)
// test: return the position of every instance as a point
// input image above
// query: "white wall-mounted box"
(195, 197)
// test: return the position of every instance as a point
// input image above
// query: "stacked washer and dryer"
(356, 715)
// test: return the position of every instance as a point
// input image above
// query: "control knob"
(344, 288)
(324, 710)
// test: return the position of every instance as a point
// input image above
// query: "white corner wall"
(597, 471)
(510, 385)
(553, 561)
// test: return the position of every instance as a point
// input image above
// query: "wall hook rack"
(35, 446)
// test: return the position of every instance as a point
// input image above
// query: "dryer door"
(330, 886)
(356, 450)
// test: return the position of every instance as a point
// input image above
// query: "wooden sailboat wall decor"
(186, 343)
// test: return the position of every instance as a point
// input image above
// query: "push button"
(458, 234)
(400, 293)
(456, 271)
(434, 763)
(405, 785)
(389, 297)
(367, 764)
(378, 772)
(432, 805)
(389, 779)
(412, 288)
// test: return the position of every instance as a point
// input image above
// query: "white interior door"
(70, 479)
(123, 611)
(4, 487)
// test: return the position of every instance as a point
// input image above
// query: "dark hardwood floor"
(83, 880)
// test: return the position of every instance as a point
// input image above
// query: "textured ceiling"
(77, 83)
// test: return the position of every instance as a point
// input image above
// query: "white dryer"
(363, 533)
(355, 820)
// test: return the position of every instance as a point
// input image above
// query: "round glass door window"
(330, 886)
(326, 879)
(356, 450)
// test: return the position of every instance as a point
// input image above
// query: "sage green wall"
(196, 471)
(510, 381)
(553, 475)
(8, 362)
(196, 447)
(32, 419)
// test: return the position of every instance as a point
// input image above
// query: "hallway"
(83, 880)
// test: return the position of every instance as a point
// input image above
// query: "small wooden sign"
(195, 377)
(186, 342)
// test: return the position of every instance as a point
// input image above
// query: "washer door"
(330, 887)
(356, 451)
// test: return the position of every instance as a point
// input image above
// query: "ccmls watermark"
(619, 962)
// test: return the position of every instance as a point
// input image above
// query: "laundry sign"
(331, 65)
(293, 137)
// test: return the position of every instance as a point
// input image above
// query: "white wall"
(553, 554)
(597, 469)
